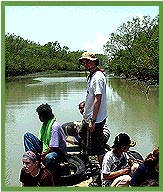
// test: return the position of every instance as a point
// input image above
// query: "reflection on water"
(129, 110)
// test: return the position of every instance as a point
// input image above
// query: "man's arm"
(115, 174)
(97, 103)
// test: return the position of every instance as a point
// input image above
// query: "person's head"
(89, 61)
(45, 112)
(123, 142)
(81, 107)
(31, 161)
(152, 159)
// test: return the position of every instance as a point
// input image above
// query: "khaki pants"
(124, 180)
(121, 181)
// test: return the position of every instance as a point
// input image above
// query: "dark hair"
(153, 158)
(97, 62)
(39, 158)
(82, 103)
(121, 140)
(45, 111)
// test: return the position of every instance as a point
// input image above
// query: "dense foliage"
(26, 57)
(133, 50)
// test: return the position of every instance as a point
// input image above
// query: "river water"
(129, 109)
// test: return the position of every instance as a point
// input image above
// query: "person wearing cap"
(116, 163)
(95, 112)
(50, 143)
(32, 172)
(147, 173)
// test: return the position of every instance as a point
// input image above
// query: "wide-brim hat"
(124, 140)
(89, 56)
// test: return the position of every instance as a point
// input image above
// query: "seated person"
(74, 128)
(51, 143)
(116, 165)
(148, 172)
(32, 173)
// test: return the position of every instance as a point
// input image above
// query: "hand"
(43, 156)
(131, 161)
(91, 126)
(42, 159)
(126, 170)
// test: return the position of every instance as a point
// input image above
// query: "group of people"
(43, 153)
(122, 170)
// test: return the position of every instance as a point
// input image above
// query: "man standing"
(95, 112)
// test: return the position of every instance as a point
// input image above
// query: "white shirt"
(110, 163)
(96, 85)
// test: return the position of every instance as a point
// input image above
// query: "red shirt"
(44, 178)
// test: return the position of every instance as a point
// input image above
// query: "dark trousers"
(93, 142)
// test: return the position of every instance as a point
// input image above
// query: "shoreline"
(148, 82)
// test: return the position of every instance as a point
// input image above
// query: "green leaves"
(134, 49)
(24, 57)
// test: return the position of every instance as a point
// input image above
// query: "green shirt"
(45, 133)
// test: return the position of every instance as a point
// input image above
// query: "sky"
(77, 27)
